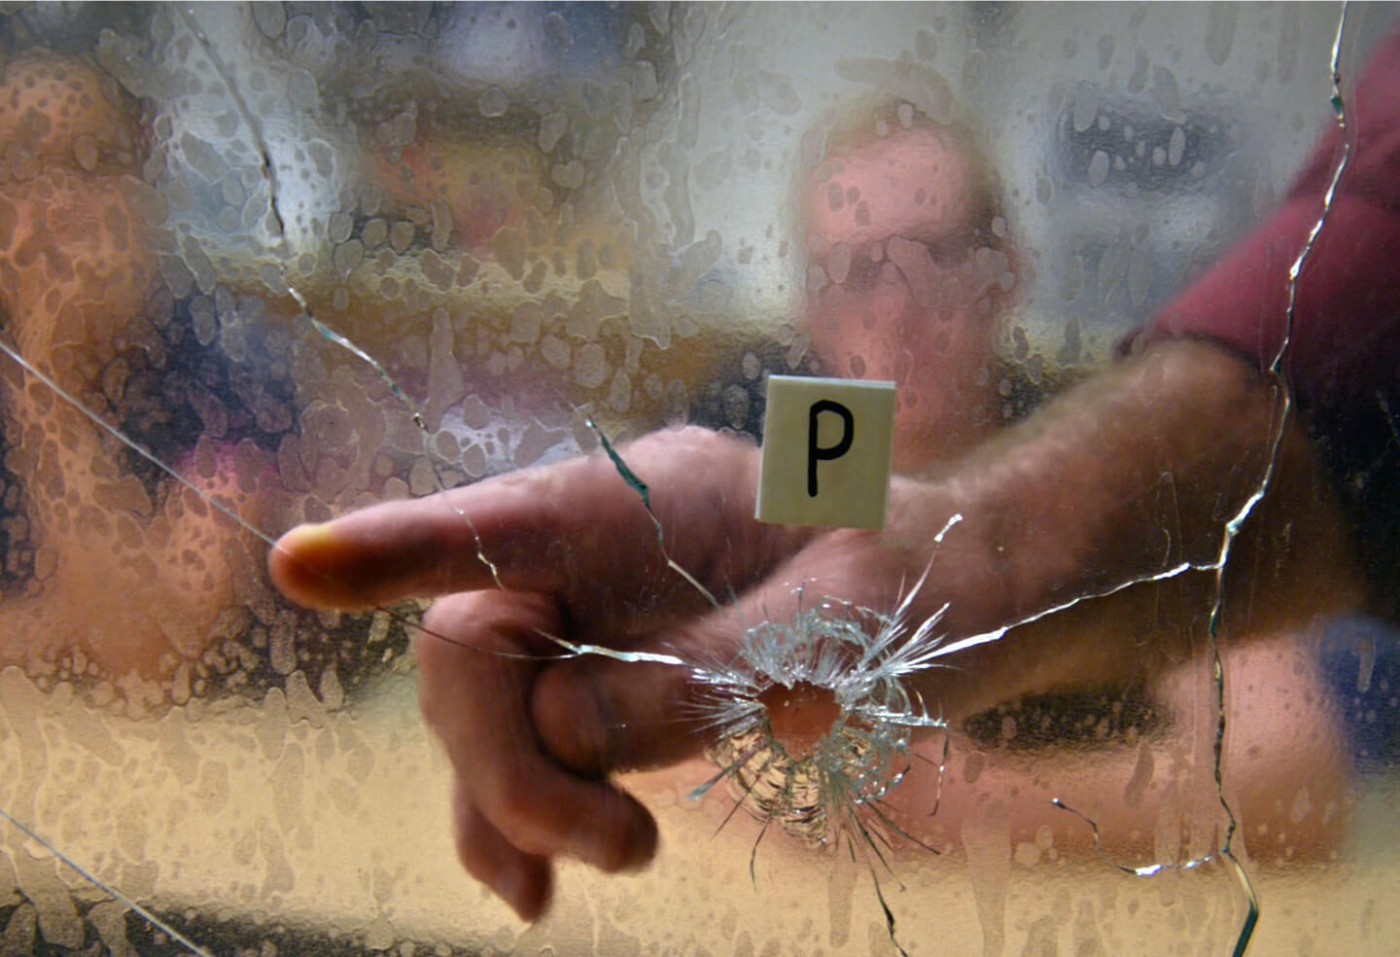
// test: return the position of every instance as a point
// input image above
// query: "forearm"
(1132, 474)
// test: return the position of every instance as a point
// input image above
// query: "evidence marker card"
(827, 446)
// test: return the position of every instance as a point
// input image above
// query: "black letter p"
(817, 453)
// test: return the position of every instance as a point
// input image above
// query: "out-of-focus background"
(242, 247)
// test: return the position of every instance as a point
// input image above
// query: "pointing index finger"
(512, 531)
(567, 529)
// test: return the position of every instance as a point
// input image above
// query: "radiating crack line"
(757, 777)
(998, 633)
(132, 444)
(877, 808)
(1146, 870)
(269, 172)
(1233, 527)
(268, 169)
(867, 848)
(268, 539)
(631, 657)
(728, 771)
(103, 886)
(644, 493)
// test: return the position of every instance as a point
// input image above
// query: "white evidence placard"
(827, 448)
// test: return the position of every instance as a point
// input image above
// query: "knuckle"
(534, 822)
(567, 720)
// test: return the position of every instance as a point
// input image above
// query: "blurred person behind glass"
(111, 577)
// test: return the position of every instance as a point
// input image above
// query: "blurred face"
(901, 288)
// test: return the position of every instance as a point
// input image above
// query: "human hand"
(530, 731)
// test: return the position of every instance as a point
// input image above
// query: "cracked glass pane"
(1120, 674)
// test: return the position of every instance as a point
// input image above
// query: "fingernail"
(306, 566)
(628, 850)
(594, 851)
(527, 890)
(576, 725)
(511, 888)
(305, 541)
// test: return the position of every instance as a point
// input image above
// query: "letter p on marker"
(827, 446)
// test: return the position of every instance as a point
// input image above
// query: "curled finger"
(475, 695)
(524, 881)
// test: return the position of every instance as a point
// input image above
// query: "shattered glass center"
(800, 717)
(814, 722)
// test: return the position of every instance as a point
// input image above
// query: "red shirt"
(1343, 355)
(1345, 343)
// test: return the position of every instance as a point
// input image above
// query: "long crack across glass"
(264, 266)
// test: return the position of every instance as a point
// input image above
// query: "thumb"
(596, 714)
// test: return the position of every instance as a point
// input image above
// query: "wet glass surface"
(265, 265)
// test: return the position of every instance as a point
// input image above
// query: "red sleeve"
(1345, 342)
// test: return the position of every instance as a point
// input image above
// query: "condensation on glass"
(276, 262)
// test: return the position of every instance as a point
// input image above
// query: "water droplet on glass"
(493, 102)
(1098, 168)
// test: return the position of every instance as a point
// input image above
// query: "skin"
(531, 738)
(907, 291)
